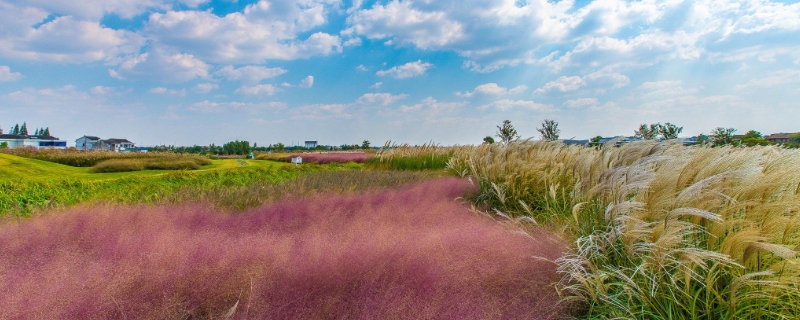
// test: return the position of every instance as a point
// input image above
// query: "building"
(95, 143)
(86, 142)
(778, 137)
(311, 144)
(38, 142)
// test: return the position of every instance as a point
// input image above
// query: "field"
(530, 229)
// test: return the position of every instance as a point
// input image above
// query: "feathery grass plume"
(662, 230)
(411, 253)
(407, 157)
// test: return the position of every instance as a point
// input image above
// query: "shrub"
(78, 158)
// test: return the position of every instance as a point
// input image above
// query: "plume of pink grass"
(338, 157)
(414, 253)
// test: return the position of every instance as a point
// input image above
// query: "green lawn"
(29, 185)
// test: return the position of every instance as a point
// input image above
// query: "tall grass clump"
(414, 253)
(407, 157)
(80, 158)
(661, 230)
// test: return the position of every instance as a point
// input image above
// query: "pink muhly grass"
(338, 157)
(409, 253)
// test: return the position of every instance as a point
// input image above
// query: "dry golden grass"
(661, 230)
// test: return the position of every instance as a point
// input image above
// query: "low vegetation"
(78, 158)
(661, 230)
(415, 158)
(124, 165)
(411, 253)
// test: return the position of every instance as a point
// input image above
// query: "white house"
(86, 143)
(95, 143)
(18, 140)
(311, 144)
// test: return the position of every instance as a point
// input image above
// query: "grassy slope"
(28, 185)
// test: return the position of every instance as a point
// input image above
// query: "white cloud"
(583, 102)
(381, 99)
(562, 84)
(249, 74)
(101, 90)
(307, 82)
(267, 89)
(492, 89)
(172, 92)
(205, 87)
(407, 70)
(323, 111)
(352, 42)
(220, 107)
(507, 104)
(264, 30)
(362, 68)
(772, 80)
(7, 75)
(96, 9)
(63, 39)
(161, 65)
(377, 85)
(664, 89)
(433, 106)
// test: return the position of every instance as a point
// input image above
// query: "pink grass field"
(324, 158)
(411, 253)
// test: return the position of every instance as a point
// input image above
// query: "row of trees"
(506, 132)
(23, 130)
(244, 148)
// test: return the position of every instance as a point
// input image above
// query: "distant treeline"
(244, 148)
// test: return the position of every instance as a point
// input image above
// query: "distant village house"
(311, 144)
(35, 141)
(95, 143)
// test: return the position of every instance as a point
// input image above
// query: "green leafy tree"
(279, 147)
(794, 138)
(754, 138)
(647, 132)
(365, 144)
(595, 142)
(549, 130)
(721, 137)
(669, 131)
(506, 132)
(3, 145)
(488, 140)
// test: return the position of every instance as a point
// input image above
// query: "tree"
(488, 140)
(754, 138)
(646, 132)
(365, 144)
(595, 142)
(549, 130)
(24, 129)
(507, 133)
(15, 130)
(46, 131)
(278, 147)
(669, 131)
(721, 137)
(3, 145)
(1, 130)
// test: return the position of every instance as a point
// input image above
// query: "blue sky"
(189, 72)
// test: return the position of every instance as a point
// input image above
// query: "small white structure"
(17, 141)
(311, 144)
(297, 160)
(86, 142)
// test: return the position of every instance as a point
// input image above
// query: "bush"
(123, 165)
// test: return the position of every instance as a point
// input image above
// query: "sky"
(185, 72)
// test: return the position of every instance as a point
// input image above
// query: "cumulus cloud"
(7, 75)
(172, 92)
(562, 84)
(249, 74)
(307, 82)
(377, 85)
(267, 89)
(492, 89)
(432, 105)
(96, 9)
(264, 30)
(583, 102)
(774, 79)
(407, 70)
(220, 107)
(161, 65)
(507, 104)
(205, 87)
(381, 99)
